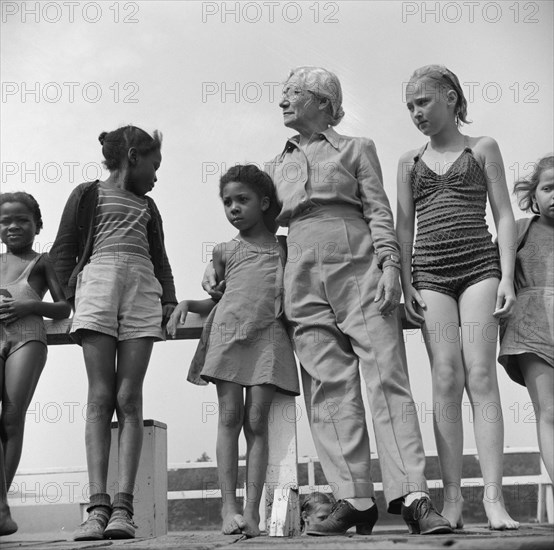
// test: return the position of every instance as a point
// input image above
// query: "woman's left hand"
(505, 300)
(389, 291)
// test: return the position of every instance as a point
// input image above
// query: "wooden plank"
(58, 331)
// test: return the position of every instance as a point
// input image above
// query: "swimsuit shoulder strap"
(30, 267)
(24, 275)
(420, 152)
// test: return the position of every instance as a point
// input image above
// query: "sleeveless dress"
(29, 329)
(453, 247)
(244, 339)
(530, 328)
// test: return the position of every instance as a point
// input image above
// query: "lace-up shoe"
(422, 518)
(342, 517)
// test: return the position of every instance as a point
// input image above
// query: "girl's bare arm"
(405, 221)
(502, 212)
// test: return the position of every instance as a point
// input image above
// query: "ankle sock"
(125, 501)
(100, 500)
(361, 504)
(416, 495)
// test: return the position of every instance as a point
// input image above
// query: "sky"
(208, 75)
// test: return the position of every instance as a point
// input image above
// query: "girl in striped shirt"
(110, 257)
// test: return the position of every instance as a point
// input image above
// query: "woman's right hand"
(210, 284)
(412, 303)
(12, 310)
(178, 317)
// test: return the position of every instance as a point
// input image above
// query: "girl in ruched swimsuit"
(25, 276)
(456, 283)
(527, 336)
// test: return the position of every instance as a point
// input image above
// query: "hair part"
(525, 188)
(116, 144)
(28, 201)
(446, 80)
(324, 85)
(258, 181)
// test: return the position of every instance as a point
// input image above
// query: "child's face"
(142, 175)
(544, 193)
(317, 515)
(17, 226)
(243, 207)
(429, 105)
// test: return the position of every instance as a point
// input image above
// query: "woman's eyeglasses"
(293, 94)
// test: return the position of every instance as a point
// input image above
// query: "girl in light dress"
(249, 355)
(527, 336)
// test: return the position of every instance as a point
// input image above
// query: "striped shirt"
(121, 220)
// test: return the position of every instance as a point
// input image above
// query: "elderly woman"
(341, 293)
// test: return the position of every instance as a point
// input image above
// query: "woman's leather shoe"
(342, 517)
(422, 518)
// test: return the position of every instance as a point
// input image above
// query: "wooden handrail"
(58, 331)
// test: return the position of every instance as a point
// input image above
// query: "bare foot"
(251, 530)
(452, 511)
(7, 524)
(233, 524)
(499, 519)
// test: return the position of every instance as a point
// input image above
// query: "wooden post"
(150, 493)
(545, 503)
(282, 500)
(151, 485)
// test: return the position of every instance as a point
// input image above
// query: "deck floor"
(477, 537)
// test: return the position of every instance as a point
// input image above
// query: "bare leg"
(257, 407)
(231, 417)
(479, 337)
(7, 524)
(441, 334)
(539, 378)
(133, 357)
(22, 371)
(99, 351)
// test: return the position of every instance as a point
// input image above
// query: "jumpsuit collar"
(329, 135)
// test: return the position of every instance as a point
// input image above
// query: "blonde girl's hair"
(446, 79)
(525, 188)
(313, 500)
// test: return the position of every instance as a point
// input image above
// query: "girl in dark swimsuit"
(455, 282)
